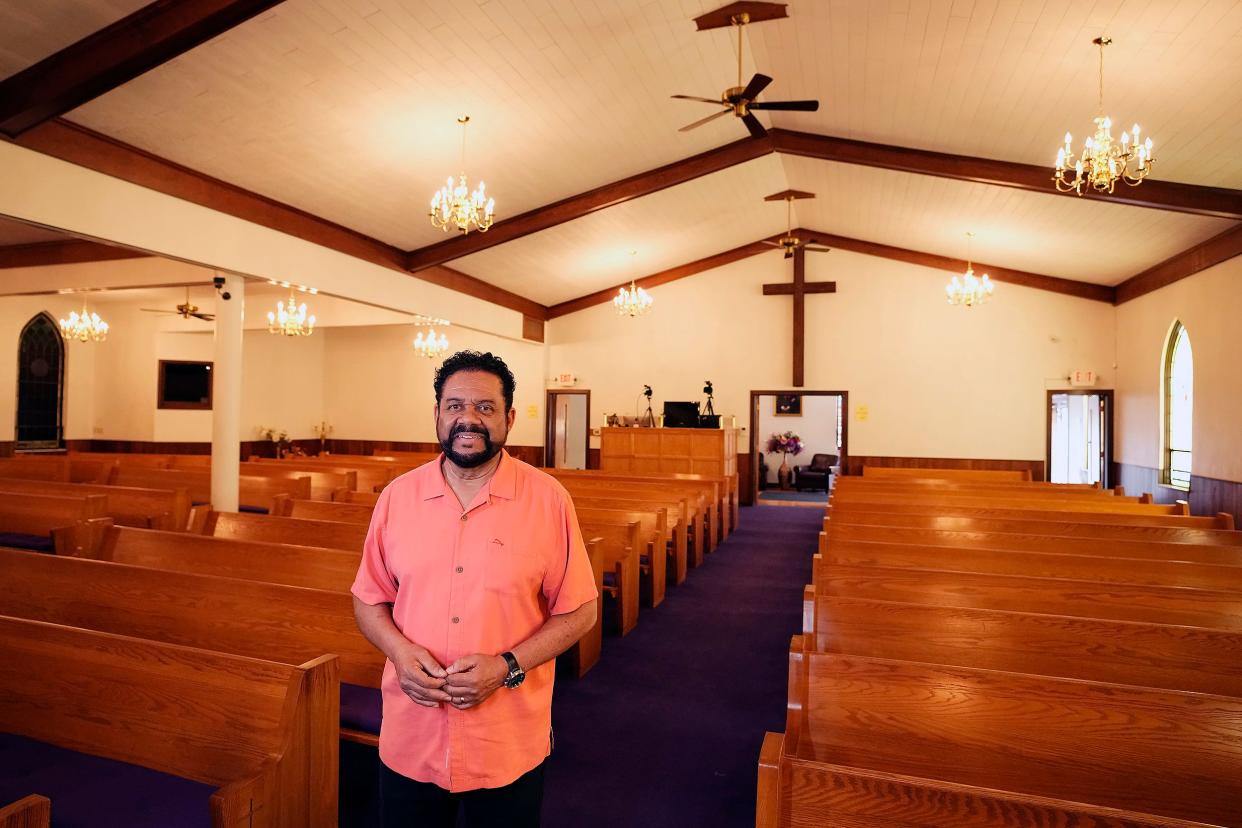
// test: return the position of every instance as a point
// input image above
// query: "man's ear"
(511, 419)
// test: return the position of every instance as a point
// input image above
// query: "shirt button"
(463, 515)
(460, 570)
(456, 620)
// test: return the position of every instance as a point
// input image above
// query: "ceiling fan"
(185, 311)
(789, 242)
(740, 100)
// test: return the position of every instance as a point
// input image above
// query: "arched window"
(40, 379)
(1178, 399)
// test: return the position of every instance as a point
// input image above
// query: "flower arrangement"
(278, 436)
(787, 443)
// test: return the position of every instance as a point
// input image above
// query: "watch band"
(512, 661)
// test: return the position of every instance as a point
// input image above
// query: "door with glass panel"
(1080, 437)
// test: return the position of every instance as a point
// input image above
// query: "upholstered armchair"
(815, 475)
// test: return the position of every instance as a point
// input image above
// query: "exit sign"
(1079, 378)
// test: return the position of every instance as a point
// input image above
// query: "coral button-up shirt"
(478, 580)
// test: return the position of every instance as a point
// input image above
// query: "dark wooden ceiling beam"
(1055, 284)
(69, 251)
(81, 72)
(663, 277)
(1215, 250)
(87, 148)
(1155, 194)
(608, 195)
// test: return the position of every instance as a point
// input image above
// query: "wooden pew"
(585, 653)
(620, 547)
(689, 507)
(365, 477)
(1123, 652)
(58, 467)
(72, 524)
(1217, 529)
(279, 563)
(323, 482)
(257, 619)
(284, 506)
(992, 488)
(127, 506)
(32, 811)
(366, 498)
(717, 491)
(945, 474)
(1215, 609)
(1046, 563)
(874, 742)
(1109, 505)
(676, 538)
(253, 492)
(297, 531)
(653, 544)
(1203, 551)
(259, 730)
(857, 513)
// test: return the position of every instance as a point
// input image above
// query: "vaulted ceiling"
(346, 109)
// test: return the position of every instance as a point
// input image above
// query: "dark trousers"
(406, 803)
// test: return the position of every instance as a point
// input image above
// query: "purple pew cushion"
(361, 708)
(20, 540)
(100, 793)
(258, 510)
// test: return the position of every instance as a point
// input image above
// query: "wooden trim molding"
(854, 464)
(577, 206)
(1161, 195)
(1055, 284)
(532, 329)
(114, 55)
(87, 148)
(1215, 250)
(69, 251)
(663, 277)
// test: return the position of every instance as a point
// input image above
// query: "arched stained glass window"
(40, 378)
(1179, 397)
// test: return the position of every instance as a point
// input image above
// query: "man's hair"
(475, 361)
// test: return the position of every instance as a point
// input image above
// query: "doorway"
(820, 419)
(1080, 437)
(566, 444)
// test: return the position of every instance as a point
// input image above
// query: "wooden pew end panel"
(768, 789)
(28, 812)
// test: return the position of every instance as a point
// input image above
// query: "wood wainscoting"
(265, 448)
(532, 455)
(855, 463)
(1207, 495)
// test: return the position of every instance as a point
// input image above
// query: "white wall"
(1207, 304)
(936, 381)
(817, 427)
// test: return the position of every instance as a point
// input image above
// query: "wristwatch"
(516, 674)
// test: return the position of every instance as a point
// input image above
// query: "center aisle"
(666, 729)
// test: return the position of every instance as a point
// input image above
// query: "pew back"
(126, 505)
(945, 474)
(297, 531)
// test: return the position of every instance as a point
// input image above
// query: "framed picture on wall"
(787, 405)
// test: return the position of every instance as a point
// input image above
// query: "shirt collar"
(503, 483)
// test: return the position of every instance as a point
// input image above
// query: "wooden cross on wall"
(798, 290)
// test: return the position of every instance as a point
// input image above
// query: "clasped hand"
(465, 683)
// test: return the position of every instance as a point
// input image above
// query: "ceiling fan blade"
(789, 254)
(702, 121)
(206, 317)
(156, 310)
(817, 249)
(772, 244)
(757, 84)
(752, 124)
(788, 106)
(695, 98)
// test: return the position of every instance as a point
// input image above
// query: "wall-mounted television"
(185, 385)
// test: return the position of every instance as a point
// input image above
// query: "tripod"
(648, 418)
(709, 411)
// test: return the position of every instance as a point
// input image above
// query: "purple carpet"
(666, 729)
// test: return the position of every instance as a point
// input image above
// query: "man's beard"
(470, 461)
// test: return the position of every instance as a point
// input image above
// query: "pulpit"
(681, 450)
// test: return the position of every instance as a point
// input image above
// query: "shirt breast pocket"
(511, 568)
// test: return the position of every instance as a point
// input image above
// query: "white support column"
(226, 395)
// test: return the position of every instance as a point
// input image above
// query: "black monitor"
(681, 415)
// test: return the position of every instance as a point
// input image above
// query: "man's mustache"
(467, 429)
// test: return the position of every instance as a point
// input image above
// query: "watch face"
(514, 679)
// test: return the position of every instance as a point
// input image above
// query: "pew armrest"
(768, 789)
(81, 539)
(32, 811)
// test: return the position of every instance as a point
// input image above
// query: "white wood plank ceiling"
(346, 108)
(34, 29)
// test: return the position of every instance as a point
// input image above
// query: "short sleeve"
(374, 584)
(570, 584)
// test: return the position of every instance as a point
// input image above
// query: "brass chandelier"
(632, 301)
(454, 204)
(87, 327)
(431, 346)
(290, 319)
(969, 290)
(1103, 161)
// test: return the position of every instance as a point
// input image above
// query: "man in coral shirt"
(474, 578)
